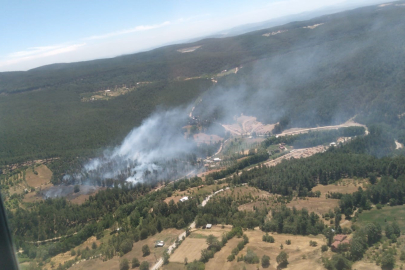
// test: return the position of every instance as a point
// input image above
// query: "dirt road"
(294, 131)
(180, 237)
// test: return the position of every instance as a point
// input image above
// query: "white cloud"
(128, 31)
(38, 52)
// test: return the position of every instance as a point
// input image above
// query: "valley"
(280, 148)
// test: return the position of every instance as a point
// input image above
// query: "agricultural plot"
(301, 255)
(342, 186)
(41, 175)
(383, 216)
(168, 236)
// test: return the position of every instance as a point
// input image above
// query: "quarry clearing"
(189, 49)
(297, 153)
(295, 131)
(246, 125)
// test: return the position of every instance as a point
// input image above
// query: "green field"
(385, 215)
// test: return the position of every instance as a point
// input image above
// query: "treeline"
(314, 138)
(127, 208)
(262, 155)
(293, 221)
(65, 126)
(224, 210)
(301, 175)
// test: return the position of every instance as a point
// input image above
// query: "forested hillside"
(315, 72)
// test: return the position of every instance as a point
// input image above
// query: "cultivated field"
(190, 248)
(342, 186)
(383, 216)
(301, 255)
(298, 248)
(42, 176)
(318, 205)
(168, 236)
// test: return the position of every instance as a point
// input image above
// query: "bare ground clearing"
(342, 186)
(297, 153)
(190, 248)
(245, 191)
(207, 139)
(248, 125)
(168, 236)
(318, 205)
(294, 131)
(42, 177)
(298, 248)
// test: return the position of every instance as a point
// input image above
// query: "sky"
(40, 32)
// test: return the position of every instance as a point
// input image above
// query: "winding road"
(183, 234)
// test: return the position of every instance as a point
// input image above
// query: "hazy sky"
(38, 32)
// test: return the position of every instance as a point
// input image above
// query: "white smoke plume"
(156, 149)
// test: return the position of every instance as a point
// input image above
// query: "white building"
(184, 199)
(208, 226)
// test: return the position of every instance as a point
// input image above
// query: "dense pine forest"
(42, 114)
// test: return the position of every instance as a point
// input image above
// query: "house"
(338, 240)
(332, 144)
(184, 199)
(208, 226)
(217, 159)
(159, 244)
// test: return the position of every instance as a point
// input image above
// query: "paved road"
(183, 234)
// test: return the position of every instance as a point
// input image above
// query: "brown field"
(317, 205)
(43, 177)
(245, 191)
(192, 245)
(249, 206)
(247, 125)
(298, 248)
(34, 196)
(174, 266)
(63, 257)
(168, 236)
(190, 248)
(342, 186)
(360, 265)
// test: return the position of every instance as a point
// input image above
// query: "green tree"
(76, 188)
(94, 245)
(396, 228)
(126, 246)
(265, 261)
(282, 259)
(159, 226)
(144, 266)
(387, 260)
(195, 265)
(166, 257)
(124, 265)
(251, 257)
(145, 250)
(135, 262)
